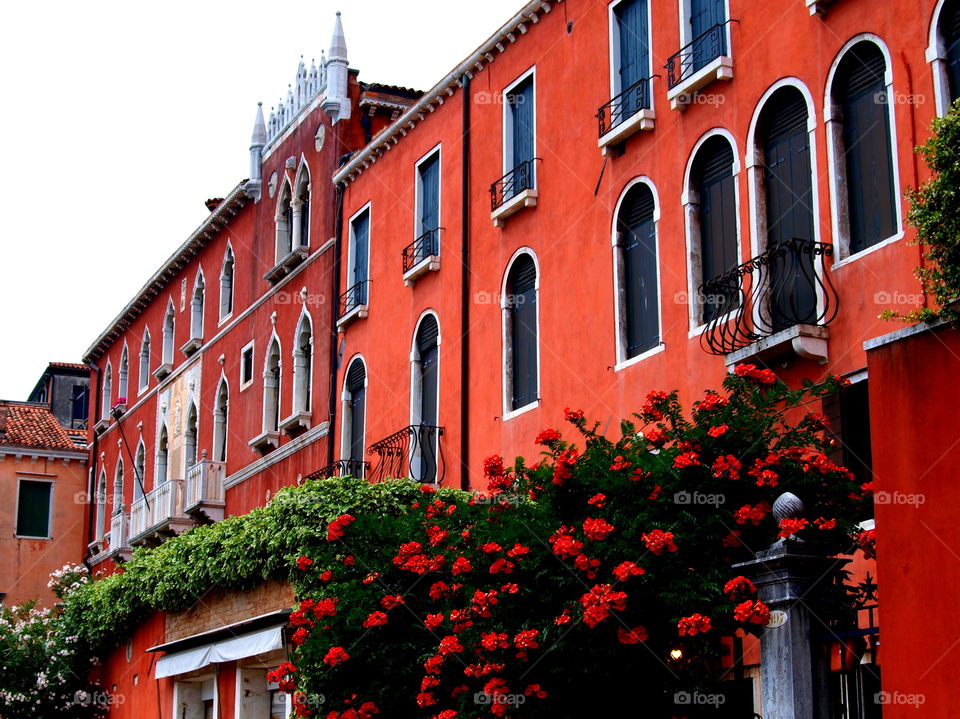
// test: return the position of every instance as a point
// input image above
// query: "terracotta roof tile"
(31, 425)
(70, 365)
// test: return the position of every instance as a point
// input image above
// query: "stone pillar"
(790, 579)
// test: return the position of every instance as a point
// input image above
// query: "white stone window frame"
(221, 425)
(284, 233)
(143, 378)
(416, 384)
(836, 159)
(106, 392)
(302, 399)
(936, 56)
(227, 284)
(246, 382)
(301, 181)
(123, 374)
(346, 429)
(266, 424)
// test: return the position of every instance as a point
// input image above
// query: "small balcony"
(352, 304)
(159, 514)
(421, 256)
(414, 452)
(513, 192)
(342, 468)
(163, 370)
(191, 346)
(775, 306)
(286, 265)
(296, 424)
(204, 490)
(698, 64)
(625, 115)
(119, 545)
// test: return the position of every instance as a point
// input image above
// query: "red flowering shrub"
(591, 580)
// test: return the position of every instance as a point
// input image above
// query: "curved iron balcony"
(520, 178)
(785, 286)
(354, 297)
(342, 468)
(624, 106)
(426, 245)
(696, 55)
(414, 452)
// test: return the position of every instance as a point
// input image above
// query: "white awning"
(225, 650)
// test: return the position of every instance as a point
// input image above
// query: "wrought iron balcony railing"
(624, 106)
(354, 297)
(520, 178)
(342, 468)
(704, 48)
(785, 286)
(414, 452)
(426, 245)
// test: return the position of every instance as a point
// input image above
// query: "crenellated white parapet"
(306, 86)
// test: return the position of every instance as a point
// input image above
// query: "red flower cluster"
(564, 545)
(336, 655)
(433, 621)
(336, 529)
(563, 467)
(789, 527)
(391, 601)
(656, 437)
(493, 466)
(410, 557)
(625, 570)
(726, 466)
(375, 619)
(825, 524)
(763, 376)
(490, 548)
(598, 500)
(718, 431)
(597, 529)
(492, 640)
(739, 588)
(711, 402)
(527, 639)
(620, 464)
(573, 415)
(652, 409)
(450, 645)
(460, 566)
(867, 542)
(752, 513)
(693, 625)
(304, 563)
(686, 459)
(632, 636)
(658, 540)
(752, 611)
(599, 601)
(282, 675)
(548, 437)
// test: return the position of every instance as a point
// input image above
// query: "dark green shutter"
(521, 108)
(33, 509)
(522, 305)
(430, 195)
(356, 379)
(638, 242)
(714, 182)
(631, 19)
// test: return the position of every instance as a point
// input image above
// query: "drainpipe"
(465, 291)
(334, 308)
(92, 463)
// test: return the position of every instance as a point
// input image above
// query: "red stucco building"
(600, 200)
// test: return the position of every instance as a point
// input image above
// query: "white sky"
(120, 118)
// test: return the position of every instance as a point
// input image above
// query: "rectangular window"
(520, 137)
(33, 508)
(359, 259)
(849, 416)
(246, 366)
(632, 54)
(428, 197)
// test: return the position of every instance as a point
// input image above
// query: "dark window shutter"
(638, 243)
(789, 197)
(634, 42)
(860, 91)
(704, 15)
(356, 376)
(33, 509)
(361, 239)
(522, 305)
(521, 108)
(430, 194)
(950, 30)
(428, 333)
(714, 182)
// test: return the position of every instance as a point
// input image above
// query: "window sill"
(522, 410)
(683, 95)
(430, 263)
(296, 423)
(642, 120)
(804, 341)
(265, 442)
(869, 250)
(101, 426)
(191, 346)
(818, 7)
(163, 370)
(246, 385)
(359, 312)
(24, 536)
(640, 357)
(286, 265)
(526, 198)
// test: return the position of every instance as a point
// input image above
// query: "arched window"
(190, 437)
(424, 412)
(950, 31)
(106, 393)
(196, 313)
(168, 339)
(101, 500)
(226, 285)
(271, 388)
(139, 467)
(300, 209)
(637, 273)
(783, 147)
(118, 488)
(220, 419)
(354, 417)
(859, 128)
(303, 366)
(712, 214)
(284, 220)
(122, 375)
(521, 365)
(163, 455)
(144, 379)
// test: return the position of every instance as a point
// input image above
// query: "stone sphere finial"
(788, 506)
